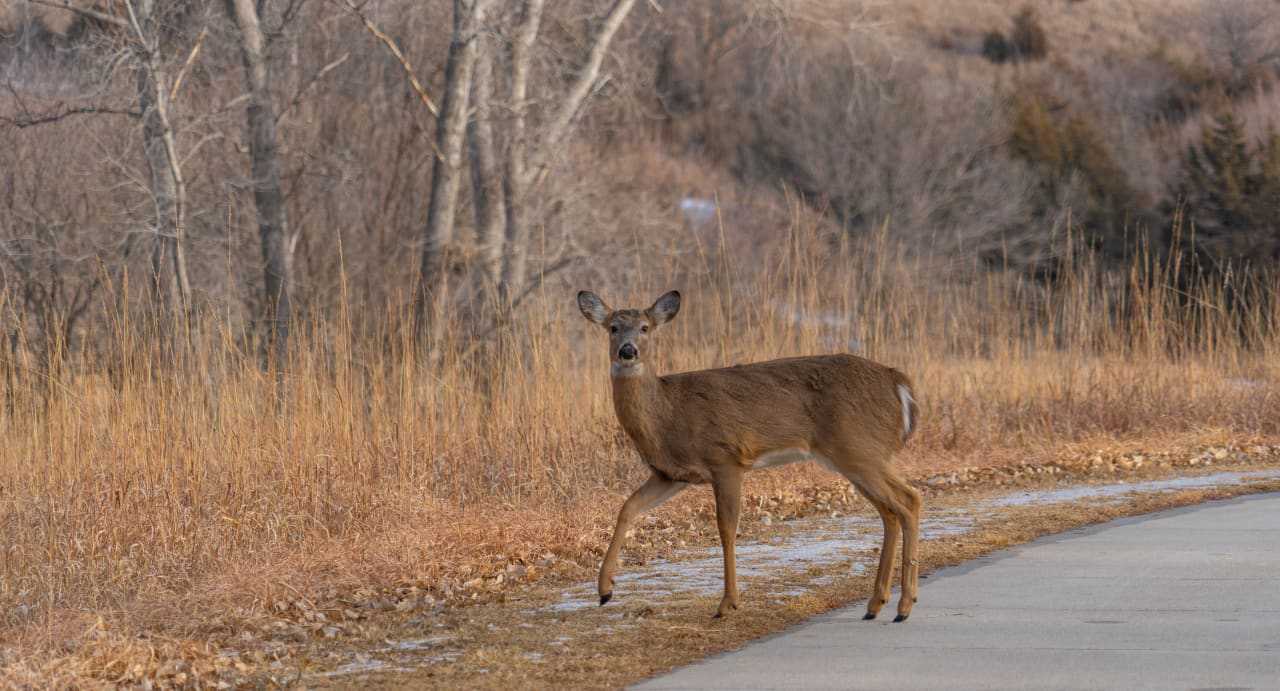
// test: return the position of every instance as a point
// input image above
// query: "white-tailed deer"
(712, 426)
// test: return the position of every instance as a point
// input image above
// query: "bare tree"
(446, 170)
(277, 246)
(168, 189)
(469, 81)
(875, 141)
(490, 205)
(516, 182)
(1241, 36)
(529, 160)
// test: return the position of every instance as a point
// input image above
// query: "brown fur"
(711, 426)
(819, 404)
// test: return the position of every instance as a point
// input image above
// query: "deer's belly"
(680, 473)
(771, 459)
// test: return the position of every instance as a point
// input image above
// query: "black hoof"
(605, 598)
(915, 599)
(868, 616)
(900, 618)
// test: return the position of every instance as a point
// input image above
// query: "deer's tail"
(910, 411)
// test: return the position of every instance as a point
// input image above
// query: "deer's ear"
(665, 308)
(592, 307)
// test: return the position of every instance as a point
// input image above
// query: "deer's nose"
(628, 352)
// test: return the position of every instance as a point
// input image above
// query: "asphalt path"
(1182, 599)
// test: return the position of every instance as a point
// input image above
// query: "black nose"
(628, 352)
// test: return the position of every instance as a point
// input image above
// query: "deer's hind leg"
(881, 485)
(910, 500)
(888, 550)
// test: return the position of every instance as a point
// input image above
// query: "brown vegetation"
(185, 498)
(815, 180)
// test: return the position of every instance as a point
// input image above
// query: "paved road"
(1185, 599)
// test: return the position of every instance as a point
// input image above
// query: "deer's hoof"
(725, 607)
(900, 618)
(605, 598)
(869, 616)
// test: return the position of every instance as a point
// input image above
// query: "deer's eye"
(613, 329)
(644, 328)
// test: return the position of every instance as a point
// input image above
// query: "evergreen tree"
(1232, 194)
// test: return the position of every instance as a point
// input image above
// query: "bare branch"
(84, 11)
(133, 22)
(390, 43)
(60, 111)
(582, 86)
(182, 73)
(33, 120)
(315, 79)
(507, 316)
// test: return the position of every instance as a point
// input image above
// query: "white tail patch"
(904, 395)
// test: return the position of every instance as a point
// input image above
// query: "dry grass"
(182, 496)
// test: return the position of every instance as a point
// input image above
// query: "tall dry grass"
(149, 475)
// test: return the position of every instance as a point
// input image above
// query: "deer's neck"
(641, 407)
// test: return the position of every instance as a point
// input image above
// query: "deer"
(711, 426)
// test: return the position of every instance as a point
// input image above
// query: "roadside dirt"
(793, 564)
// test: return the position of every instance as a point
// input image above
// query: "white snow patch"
(1121, 489)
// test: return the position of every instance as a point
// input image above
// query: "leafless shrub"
(1028, 38)
(1242, 40)
(881, 141)
(1026, 41)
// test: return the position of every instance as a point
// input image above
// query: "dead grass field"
(162, 508)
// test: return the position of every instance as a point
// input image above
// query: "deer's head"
(629, 329)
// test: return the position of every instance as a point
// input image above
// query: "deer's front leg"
(650, 495)
(728, 490)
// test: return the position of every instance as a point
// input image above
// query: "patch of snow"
(415, 644)
(697, 211)
(1119, 490)
(823, 541)
(363, 665)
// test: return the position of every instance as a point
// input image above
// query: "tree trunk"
(277, 250)
(515, 182)
(486, 176)
(526, 164)
(451, 129)
(168, 191)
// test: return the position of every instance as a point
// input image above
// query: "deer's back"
(748, 410)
